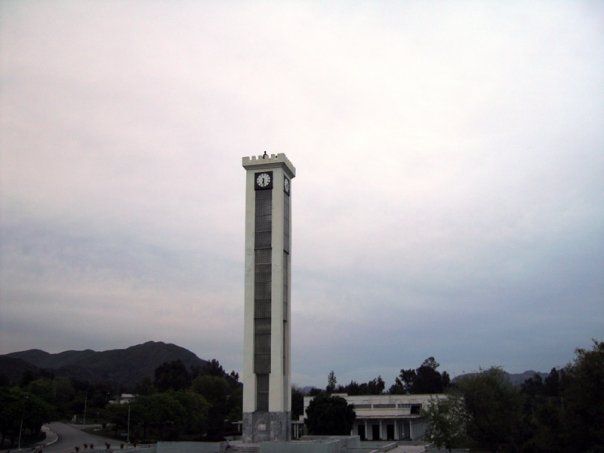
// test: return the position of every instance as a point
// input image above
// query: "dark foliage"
(373, 387)
(583, 399)
(216, 391)
(172, 376)
(169, 404)
(329, 415)
(425, 379)
(494, 408)
(331, 382)
(563, 411)
(297, 403)
(16, 406)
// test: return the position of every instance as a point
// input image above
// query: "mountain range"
(125, 367)
(119, 366)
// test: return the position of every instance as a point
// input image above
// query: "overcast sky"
(449, 198)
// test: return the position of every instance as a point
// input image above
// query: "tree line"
(423, 379)
(200, 403)
(562, 413)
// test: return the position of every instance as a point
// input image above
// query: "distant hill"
(514, 378)
(121, 366)
(13, 368)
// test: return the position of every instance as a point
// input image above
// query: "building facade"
(267, 294)
(387, 417)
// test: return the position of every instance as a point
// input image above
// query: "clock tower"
(266, 354)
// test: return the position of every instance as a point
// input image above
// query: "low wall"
(311, 444)
(190, 447)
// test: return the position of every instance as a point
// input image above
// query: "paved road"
(70, 437)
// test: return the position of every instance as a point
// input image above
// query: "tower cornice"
(269, 161)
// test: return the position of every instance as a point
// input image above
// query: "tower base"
(266, 426)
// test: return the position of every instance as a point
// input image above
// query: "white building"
(387, 417)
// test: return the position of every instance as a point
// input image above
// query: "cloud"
(448, 199)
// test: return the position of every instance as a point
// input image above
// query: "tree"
(583, 399)
(161, 416)
(234, 406)
(403, 384)
(17, 405)
(373, 387)
(297, 403)
(195, 411)
(552, 384)
(172, 376)
(494, 409)
(64, 396)
(447, 422)
(213, 368)
(424, 379)
(117, 416)
(331, 382)
(215, 390)
(329, 415)
(144, 387)
(42, 388)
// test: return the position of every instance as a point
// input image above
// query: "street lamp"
(85, 403)
(22, 415)
(128, 436)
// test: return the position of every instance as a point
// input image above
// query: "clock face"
(263, 180)
(286, 185)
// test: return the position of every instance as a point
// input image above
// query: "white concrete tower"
(266, 355)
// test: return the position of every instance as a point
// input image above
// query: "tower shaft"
(267, 294)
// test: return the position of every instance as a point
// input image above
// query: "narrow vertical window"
(262, 296)
(262, 392)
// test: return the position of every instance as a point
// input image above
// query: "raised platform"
(266, 426)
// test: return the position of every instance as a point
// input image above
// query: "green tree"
(235, 404)
(424, 379)
(331, 382)
(213, 368)
(17, 405)
(117, 416)
(297, 403)
(403, 383)
(373, 387)
(160, 416)
(172, 376)
(552, 386)
(583, 399)
(64, 396)
(545, 427)
(43, 388)
(215, 390)
(196, 412)
(144, 387)
(329, 415)
(447, 421)
(494, 409)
